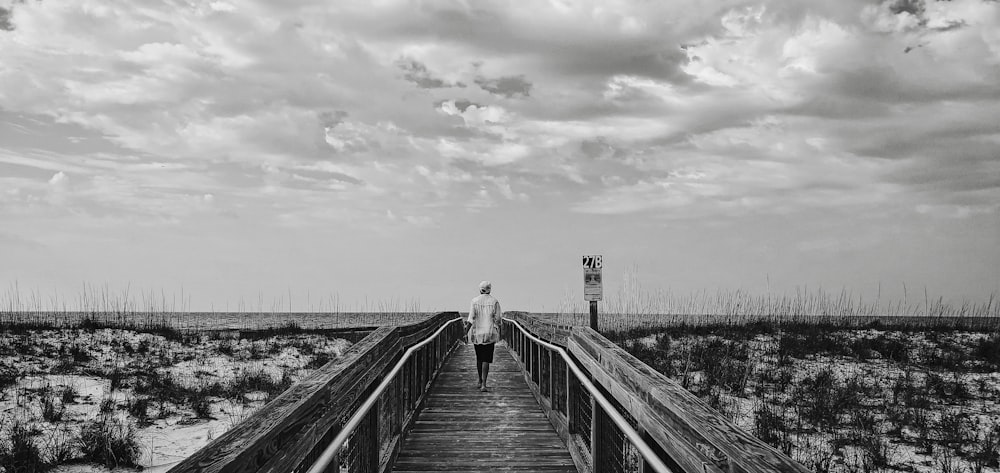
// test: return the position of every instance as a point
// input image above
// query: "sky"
(399, 152)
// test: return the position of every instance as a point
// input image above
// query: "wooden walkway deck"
(463, 429)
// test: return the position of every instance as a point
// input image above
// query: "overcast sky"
(406, 150)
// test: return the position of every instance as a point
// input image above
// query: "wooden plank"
(463, 429)
(559, 421)
(249, 444)
(541, 328)
(685, 427)
(329, 413)
(278, 435)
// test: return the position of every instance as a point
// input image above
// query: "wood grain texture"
(687, 429)
(284, 430)
(560, 422)
(463, 429)
(552, 333)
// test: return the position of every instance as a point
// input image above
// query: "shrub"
(69, 394)
(20, 453)
(162, 386)
(226, 347)
(117, 378)
(949, 357)
(922, 425)
(898, 417)
(51, 410)
(887, 348)
(988, 350)
(200, 403)
(110, 441)
(322, 358)
(107, 406)
(947, 462)
(986, 452)
(63, 366)
(303, 346)
(824, 398)
(866, 434)
(60, 448)
(785, 377)
(769, 426)
(80, 354)
(956, 430)
(816, 460)
(256, 350)
(138, 407)
(799, 340)
(902, 388)
(725, 363)
(8, 378)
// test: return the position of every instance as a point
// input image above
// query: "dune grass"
(97, 307)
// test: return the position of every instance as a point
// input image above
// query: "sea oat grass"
(110, 441)
(19, 452)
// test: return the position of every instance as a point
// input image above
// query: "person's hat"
(485, 286)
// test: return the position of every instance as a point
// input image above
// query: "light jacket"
(484, 315)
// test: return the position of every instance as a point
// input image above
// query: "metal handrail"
(331, 451)
(633, 436)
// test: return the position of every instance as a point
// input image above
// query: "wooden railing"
(685, 433)
(290, 432)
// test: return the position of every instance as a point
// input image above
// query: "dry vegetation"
(151, 311)
(126, 379)
(105, 395)
(846, 400)
(840, 383)
(631, 308)
(137, 394)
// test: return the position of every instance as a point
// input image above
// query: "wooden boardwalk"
(463, 429)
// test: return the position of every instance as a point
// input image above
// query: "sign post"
(593, 288)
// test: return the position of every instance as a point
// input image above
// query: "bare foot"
(483, 388)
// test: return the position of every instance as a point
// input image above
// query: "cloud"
(416, 72)
(704, 105)
(58, 179)
(510, 87)
(5, 23)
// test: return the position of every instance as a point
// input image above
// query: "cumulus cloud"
(5, 23)
(416, 72)
(511, 86)
(59, 179)
(696, 105)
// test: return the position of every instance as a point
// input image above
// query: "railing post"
(643, 464)
(536, 350)
(427, 368)
(397, 421)
(518, 340)
(374, 447)
(570, 401)
(552, 393)
(527, 356)
(596, 431)
(411, 374)
(436, 350)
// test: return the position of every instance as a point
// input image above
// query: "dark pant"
(484, 353)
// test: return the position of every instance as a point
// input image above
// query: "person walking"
(484, 329)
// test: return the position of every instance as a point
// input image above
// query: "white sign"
(593, 289)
